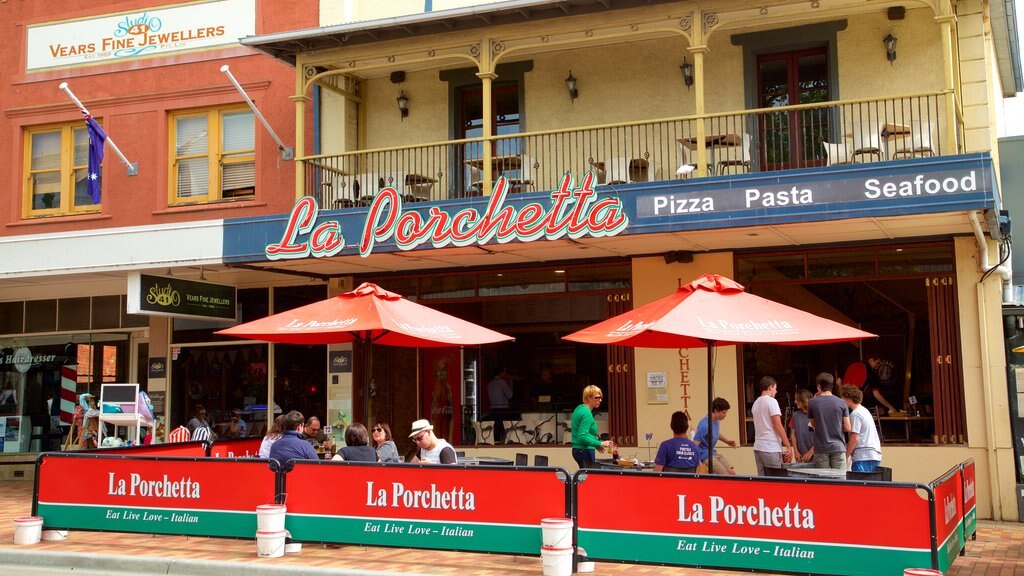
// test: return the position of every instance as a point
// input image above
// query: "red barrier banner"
(194, 496)
(183, 449)
(949, 516)
(240, 448)
(970, 501)
(474, 508)
(821, 527)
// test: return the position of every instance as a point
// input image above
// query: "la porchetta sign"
(571, 213)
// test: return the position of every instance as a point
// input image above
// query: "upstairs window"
(213, 155)
(56, 166)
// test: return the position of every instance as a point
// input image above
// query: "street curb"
(171, 566)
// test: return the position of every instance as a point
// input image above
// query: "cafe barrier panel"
(235, 448)
(771, 524)
(970, 501)
(468, 508)
(154, 495)
(949, 516)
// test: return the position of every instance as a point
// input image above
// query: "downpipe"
(986, 380)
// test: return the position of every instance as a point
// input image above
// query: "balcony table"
(711, 143)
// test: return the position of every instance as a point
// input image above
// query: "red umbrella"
(715, 311)
(368, 314)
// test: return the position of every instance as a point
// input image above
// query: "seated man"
(429, 448)
(678, 453)
(237, 428)
(291, 445)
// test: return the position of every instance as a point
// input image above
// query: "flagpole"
(133, 169)
(286, 153)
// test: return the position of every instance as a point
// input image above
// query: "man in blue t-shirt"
(678, 453)
(718, 464)
(291, 445)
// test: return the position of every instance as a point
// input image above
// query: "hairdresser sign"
(127, 35)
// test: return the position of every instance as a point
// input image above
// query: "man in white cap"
(429, 448)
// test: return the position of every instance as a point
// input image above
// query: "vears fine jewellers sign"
(150, 32)
(162, 296)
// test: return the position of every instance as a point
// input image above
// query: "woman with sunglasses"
(386, 449)
(584, 429)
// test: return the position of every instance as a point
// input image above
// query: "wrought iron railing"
(765, 139)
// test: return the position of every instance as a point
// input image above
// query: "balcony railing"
(761, 140)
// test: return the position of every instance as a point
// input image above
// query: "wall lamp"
(570, 84)
(687, 69)
(403, 104)
(890, 47)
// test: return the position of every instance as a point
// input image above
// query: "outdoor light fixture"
(570, 83)
(687, 69)
(890, 47)
(403, 104)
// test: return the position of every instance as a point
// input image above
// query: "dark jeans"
(584, 457)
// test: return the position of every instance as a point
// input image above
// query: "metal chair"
(522, 459)
(539, 460)
(867, 141)
(743, 161)
(836, 153)
(917, 144)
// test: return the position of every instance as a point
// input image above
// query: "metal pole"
(286, 153)
(133, 169)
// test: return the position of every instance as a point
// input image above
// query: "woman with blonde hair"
(584, 429)
(386, 449)
(276, 429)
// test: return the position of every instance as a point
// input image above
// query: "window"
(56, 162)
(214, 155)
(906, 294)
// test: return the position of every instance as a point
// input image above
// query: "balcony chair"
(522, 459)
(539, 460)
(616, 171)
(524, 178)
(836, 153)
(867, 141)
(743, 162)
(917, 144)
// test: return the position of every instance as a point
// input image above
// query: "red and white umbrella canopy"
(368, 314)
(715, 310)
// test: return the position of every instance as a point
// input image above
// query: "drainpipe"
(986, 380)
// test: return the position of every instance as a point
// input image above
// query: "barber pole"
(68, 390)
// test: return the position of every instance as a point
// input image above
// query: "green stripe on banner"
(775, 556)
(150, 520)
(951, 547)
(438, 535)
(971, 521)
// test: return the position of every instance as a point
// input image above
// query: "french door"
(792, 139)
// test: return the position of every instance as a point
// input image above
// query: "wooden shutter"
(947, 385)
(620, 397)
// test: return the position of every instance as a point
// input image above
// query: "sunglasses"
(598, 397)
(378, 429)
(418, 439)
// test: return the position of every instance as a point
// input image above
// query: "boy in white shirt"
(863, 446)
(771, 445)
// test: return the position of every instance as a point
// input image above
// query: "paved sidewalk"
(998, 551)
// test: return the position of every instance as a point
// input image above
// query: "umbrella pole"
(711, 387)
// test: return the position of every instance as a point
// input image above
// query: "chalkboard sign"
(119, 393)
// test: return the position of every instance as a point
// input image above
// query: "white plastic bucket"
(556, 561)
(556, 532)
(54, 535)
(270, 544)
(270, 517)
(291, 547)
(921, 572)
(28, 530)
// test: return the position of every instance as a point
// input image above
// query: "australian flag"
(97, 137)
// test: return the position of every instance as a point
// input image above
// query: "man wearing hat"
(429, 448)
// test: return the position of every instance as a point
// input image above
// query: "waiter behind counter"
(508, 396)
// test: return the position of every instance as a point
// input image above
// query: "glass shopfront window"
(33, 372)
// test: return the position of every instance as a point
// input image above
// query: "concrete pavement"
(999, 550)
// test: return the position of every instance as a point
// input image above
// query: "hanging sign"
(165, 296)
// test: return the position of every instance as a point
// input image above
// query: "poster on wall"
(12, 434)
(440, 376)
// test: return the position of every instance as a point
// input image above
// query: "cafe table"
(808, 472)
(484, 461)
(711, 144)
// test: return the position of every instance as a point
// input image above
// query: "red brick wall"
(132, 99)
